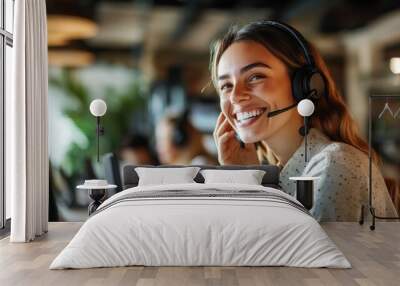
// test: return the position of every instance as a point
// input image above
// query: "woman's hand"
(229, 150)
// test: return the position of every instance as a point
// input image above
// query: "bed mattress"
(201, 225)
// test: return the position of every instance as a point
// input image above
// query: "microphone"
(305, 105)
(272, 114)
(279, 111)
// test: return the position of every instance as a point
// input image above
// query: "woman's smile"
(248, 117)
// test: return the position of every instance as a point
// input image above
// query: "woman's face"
(251, 82)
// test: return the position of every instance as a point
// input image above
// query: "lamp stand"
(305, 137)
(99, 132)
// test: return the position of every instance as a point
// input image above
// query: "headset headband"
(296, 35)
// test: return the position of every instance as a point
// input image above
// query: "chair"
(112, 170)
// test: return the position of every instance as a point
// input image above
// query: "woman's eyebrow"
(254, 65)
(246, 68)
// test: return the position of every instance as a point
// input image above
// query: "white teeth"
(249, 114)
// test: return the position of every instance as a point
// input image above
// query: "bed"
(201, 224)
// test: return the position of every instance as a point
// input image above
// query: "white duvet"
(183, 231)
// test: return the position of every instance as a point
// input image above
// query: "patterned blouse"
(343, 179)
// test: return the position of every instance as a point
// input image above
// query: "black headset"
(308, 82)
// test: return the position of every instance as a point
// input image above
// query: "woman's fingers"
(224, 127)
(217, 124)
(225, 147)
(225, 138)
(229, 151)
(226, 143)
(220, 119)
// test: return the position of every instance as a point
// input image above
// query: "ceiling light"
(62, 28)
(70, 58)
(56, 40)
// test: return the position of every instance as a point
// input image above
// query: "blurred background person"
(135, 149)
(178, 142)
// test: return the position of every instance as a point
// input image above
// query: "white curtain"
(26, 124)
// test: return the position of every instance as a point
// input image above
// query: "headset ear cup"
(306, 80)
(317, 82)
(298, 91)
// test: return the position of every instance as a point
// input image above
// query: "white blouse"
(343, 183)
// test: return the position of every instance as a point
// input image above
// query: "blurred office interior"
(148, 60)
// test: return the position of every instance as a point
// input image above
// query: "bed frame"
(271, 178)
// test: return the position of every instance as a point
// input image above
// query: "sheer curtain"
(26, 124)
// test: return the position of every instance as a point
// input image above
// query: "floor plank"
(374, 255)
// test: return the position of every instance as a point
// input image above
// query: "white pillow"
(162, 176)
(248, 177)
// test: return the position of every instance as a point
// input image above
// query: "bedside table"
(97, 194)
(305, 190)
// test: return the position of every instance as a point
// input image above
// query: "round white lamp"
(98, 108)
(305, 108)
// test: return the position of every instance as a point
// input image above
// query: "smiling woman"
(261, 72)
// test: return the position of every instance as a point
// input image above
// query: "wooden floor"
(375, 257)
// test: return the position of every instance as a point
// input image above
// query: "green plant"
(117, 121)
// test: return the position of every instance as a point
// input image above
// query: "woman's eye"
(256, 77)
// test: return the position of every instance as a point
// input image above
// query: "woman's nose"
(238, 94)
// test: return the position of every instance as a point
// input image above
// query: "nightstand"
(97, 191)
(305, 190)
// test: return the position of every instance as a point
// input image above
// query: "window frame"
(6, 39)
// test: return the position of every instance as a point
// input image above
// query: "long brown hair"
(331, 115)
